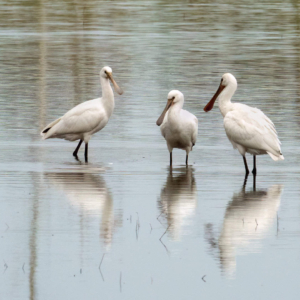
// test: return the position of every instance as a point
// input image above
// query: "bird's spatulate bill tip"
(160, 119)
(158, 122)
(209, 106)
(117, 88)
(162, 116)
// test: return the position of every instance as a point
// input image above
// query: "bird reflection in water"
(248, 219)
(178, 200)
(88, 192)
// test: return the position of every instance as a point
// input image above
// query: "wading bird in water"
(178, 126)
(87, 118)
(248, 129)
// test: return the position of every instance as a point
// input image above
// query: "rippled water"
(125, 226)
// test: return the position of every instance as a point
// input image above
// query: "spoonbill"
(87, 118)
(178, 126)
(247, 128)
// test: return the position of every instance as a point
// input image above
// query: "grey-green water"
(58, 217)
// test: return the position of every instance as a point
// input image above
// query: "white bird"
(178, 126)
(248, 129)
(87, 118)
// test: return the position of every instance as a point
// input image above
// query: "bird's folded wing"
(252, 130)
(78, 122)
(191, 124)
(195, 132)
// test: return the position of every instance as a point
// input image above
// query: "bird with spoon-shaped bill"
(247, 128)
(87, 118)
(178, 126)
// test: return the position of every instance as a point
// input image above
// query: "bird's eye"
(222, 80)
(173, 98)
(105, 72)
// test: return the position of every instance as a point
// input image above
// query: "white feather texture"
(80, 122)
(253, 130)
(179, 127)
(248, 129)
(87, 118)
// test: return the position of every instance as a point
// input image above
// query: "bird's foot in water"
(76, 156)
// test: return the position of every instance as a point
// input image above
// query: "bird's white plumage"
(80, 122)
(247, 128)
(179, 127)
(86, 118)
(252, 130)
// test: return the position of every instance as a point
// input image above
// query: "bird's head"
(227, 80)
(106, 73)
(173, 97)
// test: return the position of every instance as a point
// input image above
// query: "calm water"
(155, 233)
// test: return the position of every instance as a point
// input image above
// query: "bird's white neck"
(174, 114)
(225, 104)
(107, 96)
(175, 108)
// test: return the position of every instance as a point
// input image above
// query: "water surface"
(125, 226)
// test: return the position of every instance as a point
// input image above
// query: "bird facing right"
(87, 118)
(178, 126)
(248, 129)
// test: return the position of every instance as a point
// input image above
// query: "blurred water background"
(156, 234)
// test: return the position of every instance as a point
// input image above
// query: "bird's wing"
(195, 132)
(251, 128)
(82, 118)
(192, 122)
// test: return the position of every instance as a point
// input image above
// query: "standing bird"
(178, 126)
(247, 128)
(87, 118)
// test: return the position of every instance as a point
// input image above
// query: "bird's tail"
(44, 132)
(276, 157)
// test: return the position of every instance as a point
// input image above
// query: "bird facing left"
(87, 118)
(178, 126)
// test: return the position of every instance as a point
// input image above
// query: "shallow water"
(155, 234)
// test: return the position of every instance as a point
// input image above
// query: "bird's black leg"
(254, 165)
(170, 159)
(246, 166)
(77, 148)
(86, 152)
(186, 160)
(254, 182)
(245, 181)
